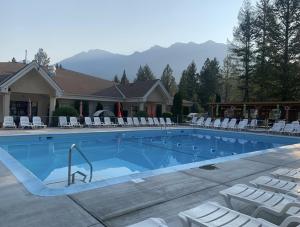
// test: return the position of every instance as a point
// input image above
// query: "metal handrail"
(70, 163)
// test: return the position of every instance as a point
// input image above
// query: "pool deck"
(161, 196)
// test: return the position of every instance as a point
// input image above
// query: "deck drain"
(137, 180)
(208, 167)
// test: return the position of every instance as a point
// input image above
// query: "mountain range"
(106, 65)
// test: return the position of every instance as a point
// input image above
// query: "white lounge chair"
(136, 121)
(156, 122)
(211, 214)
(207, 122)
(150, 222)
(297, 129)
(266, 201)
(143, 121)
(107, 122)
(74, 122)
(37, 122)
(287, 174)
(8, 122)
(97, 122)
(193, 121)
(62, 122)
(217, 123)
(225, 122)
(253, 123)
(129, 121)
(121, 121)
(242, 124)
(25, 123)
(150, 121)
(88, 122)
(232, 124)
(277, 185)
(277, 127)
(288, 129)
(162, 121)
(200, 122)
(169, 122)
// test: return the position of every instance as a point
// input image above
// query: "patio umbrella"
(119, 113)
(29, 108)
(80, 109)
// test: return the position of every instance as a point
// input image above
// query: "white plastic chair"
(288, 129)
(253, 123)
(150, 121)
(217, 123)
(277, 185)
(62, 122)
(212, 214)
(143, 121)
(24, 122)
(8, 122)
(156, 122)
(136, 121)
(107, 122)
(224, 123)
(37, 122)
(287, 174)
(129, 121)
(242, 124)
(266, 201)
(200, 122)
(74, 122)
(232, 124)
(194, 121)
(162, 121)
(88, 122)
(277, 127)
(97, 122)
(121, 121)
(169, 122)
(207, 122)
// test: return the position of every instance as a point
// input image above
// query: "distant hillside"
(179, 55)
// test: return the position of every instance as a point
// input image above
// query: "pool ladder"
(71, 176)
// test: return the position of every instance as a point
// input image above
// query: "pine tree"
(265, 29)
(243, 47)
(124, 79)
(42, 58)
(188, 82)
(168, 80)
(288, 44)
(116, 79)
(209, 81)
(144, 73)
(177, 108)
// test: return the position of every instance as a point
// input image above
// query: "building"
(29, 89)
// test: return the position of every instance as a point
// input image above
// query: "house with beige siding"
(24, 86)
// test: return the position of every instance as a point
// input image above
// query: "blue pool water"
(117, 154)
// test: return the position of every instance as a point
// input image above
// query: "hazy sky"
(65, 27)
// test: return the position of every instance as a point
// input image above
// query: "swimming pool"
(40, 162)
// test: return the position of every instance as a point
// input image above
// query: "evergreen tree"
(265, 29)
(177, 107)
(243, 46)
(144, 73)
(168, 80)
(229, 80)
(288, 46)
(188, 82)
(209, 81)
(116, 79)
(124, 79)
(42, 58)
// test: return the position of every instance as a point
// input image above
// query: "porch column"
(52, 105)
(141, 106)
(6, 104)
(163, 108)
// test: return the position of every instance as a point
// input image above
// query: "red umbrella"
(119, 113)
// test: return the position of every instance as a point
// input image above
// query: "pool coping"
(37, 187)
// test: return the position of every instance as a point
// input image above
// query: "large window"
(20, 108)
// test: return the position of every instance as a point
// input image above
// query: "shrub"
(63, 111)
(141, 114)
(167, 114)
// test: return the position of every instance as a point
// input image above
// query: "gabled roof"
(137, 89)
(8, 69)
(110, 92)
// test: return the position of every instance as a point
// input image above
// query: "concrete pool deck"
(122, 204)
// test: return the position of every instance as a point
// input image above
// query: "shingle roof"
(137, 89)
(110, 92)
(8, 69)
